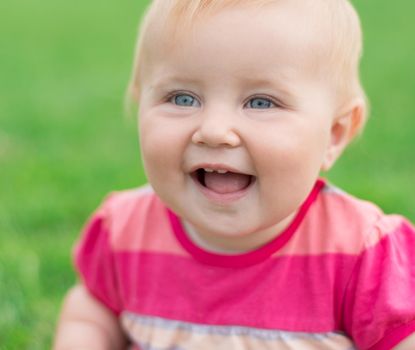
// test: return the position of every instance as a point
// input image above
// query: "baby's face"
(235, 123)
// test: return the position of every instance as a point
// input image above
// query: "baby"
(238, 243)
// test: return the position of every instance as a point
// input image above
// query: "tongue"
(226, 183)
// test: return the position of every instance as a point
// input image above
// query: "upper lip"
(217, 167)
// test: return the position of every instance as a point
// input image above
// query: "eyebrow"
(260, 82)
(173, 79)
(276, 82)
(265, 77)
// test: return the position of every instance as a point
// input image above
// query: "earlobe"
(344, 128)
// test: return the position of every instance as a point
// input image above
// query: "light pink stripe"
(138, 220)
(132, 215)
(337, 223)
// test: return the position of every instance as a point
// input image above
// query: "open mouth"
(222, 181)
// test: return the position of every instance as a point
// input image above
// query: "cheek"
(290, 153)
(161, 148)
(288, 167)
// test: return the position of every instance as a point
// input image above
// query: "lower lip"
(222, 198)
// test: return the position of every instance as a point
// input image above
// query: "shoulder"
(126, 215)
(351, 225)
(378, 300)
(347, 210)
(127, 202)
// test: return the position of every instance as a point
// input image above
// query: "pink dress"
(341, 276)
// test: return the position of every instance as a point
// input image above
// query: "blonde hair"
(342, 29)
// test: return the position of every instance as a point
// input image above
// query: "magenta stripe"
(253, 257)
(94, 261)
(295, 293)
(394, 337)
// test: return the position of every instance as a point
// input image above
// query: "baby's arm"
(407, 344)
(86, 324)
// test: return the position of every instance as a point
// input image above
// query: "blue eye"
(260, 103)
(185, 100)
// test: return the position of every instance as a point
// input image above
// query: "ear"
(133, 91)
(343, 129)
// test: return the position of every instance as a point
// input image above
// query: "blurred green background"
(65, 141)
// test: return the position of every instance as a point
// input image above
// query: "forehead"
(244, 38)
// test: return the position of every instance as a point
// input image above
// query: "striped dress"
(340, 277)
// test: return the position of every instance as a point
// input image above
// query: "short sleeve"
(94, 260)
(379, 303)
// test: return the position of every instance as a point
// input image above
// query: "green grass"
(64, 142)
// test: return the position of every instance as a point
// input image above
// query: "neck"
(235, 244)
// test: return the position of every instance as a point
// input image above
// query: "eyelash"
(275, 103)
(169, 98)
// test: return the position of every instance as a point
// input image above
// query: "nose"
(216, 129)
